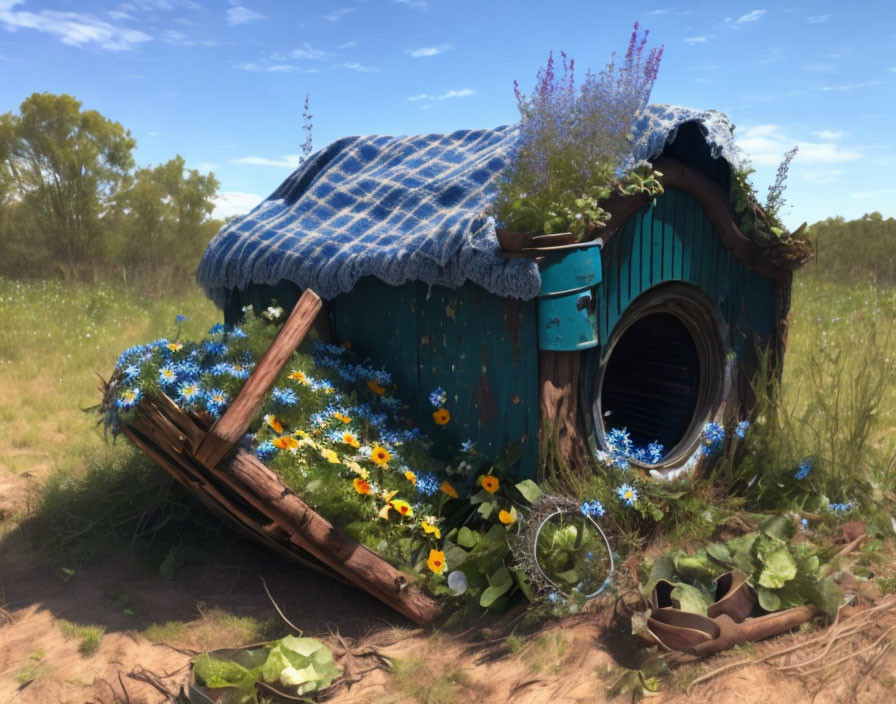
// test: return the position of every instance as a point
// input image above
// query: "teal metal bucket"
(567, 318)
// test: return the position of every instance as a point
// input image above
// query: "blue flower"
(804, 469)
(187, 371)
(215, 401)
(428, 483)
(619, 441)
(167, 375)
(713, 435)
(842, 508)
(238, 334)
(284, 397)
(438, 398)
(742, 428)
(188, 392)
(592, 508)
(468, 446)
(655, 450)
(265, 450)
(217, 329)
(179, 318)
(131, 372)
(554, 597)
(128, 398)
(627, 494)
(216, 348)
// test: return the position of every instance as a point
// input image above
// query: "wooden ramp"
(247, 495)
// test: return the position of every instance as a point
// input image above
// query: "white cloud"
(428, 50)
(230, 203)
(355, 66)
(72, 28)
(696, 40)
(207, 166)
(767, 144)
(172, 36)
(850, 86)
(829, 134)
(874, 194)
(309, 52)
(411, 3)
(347, 45)
(818, 19)
(893, 69)
(272, 68)
(118, 15)
(242, 15)
(750, 16)
(664, 11)
(337, 15)
(463, 93)
(287, 161)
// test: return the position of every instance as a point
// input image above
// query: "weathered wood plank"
(227, 432)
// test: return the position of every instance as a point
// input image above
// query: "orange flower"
(436, 561)
(441, 416)
(350, 439)
(361, 485)
(403, 507)
(275, 424)
(507, 517)
(347, 345)
(380, 456)
(286, 442)
(411, 477)
(341, 416)
(375, 387)
(490, 483)
(448, 489)
(299, 377)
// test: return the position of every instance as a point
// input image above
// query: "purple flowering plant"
(573, 140)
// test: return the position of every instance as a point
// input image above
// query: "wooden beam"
(228, 431)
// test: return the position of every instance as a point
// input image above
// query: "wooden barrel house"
(658, 327)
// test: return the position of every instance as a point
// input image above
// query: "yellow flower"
(411, 477)
(430, 527)
(490, 483)
(286, 442)
(441, 416)
(380, 456)
(448, 489)
(403, 507)
(330, 456)
(275, 424)
(361, 485)
(375, 387)
(341, 416)
(174, 346)
(356, 468)
(299, 377)
(507, 517)
(436, 561)
(350, 439)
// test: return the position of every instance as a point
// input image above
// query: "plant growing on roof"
(573, 140)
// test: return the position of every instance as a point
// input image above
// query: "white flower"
(457, 582)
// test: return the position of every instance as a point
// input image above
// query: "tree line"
(849, 251)
(73, 203)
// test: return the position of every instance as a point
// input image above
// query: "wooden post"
(558, 380)
(227, 432)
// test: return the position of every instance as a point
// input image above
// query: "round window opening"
(662, 379)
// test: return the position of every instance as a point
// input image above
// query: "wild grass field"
(82, 519)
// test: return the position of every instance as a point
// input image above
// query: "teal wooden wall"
(674, 240)
(480, 348)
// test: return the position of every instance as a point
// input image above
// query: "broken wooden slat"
(227, 432)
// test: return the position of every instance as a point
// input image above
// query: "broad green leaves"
(297, 666)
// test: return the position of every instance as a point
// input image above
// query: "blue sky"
(222, 82)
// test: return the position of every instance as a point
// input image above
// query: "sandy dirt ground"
(572, 661)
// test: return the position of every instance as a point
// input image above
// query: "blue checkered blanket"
(403, 209)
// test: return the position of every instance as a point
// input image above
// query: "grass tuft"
(89, 637)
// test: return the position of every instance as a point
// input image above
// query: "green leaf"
(778, 567)
(467, 538)
(778, 526)
(485, 509)
(662, 570)
(523, 583)
(689, 599)
(826, 595)
(768, 600)
(499, 584)
(454, 555)
(529, 490)
(569, 576)
(214, 672)
(720, 553)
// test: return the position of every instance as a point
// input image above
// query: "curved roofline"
(715, 202)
